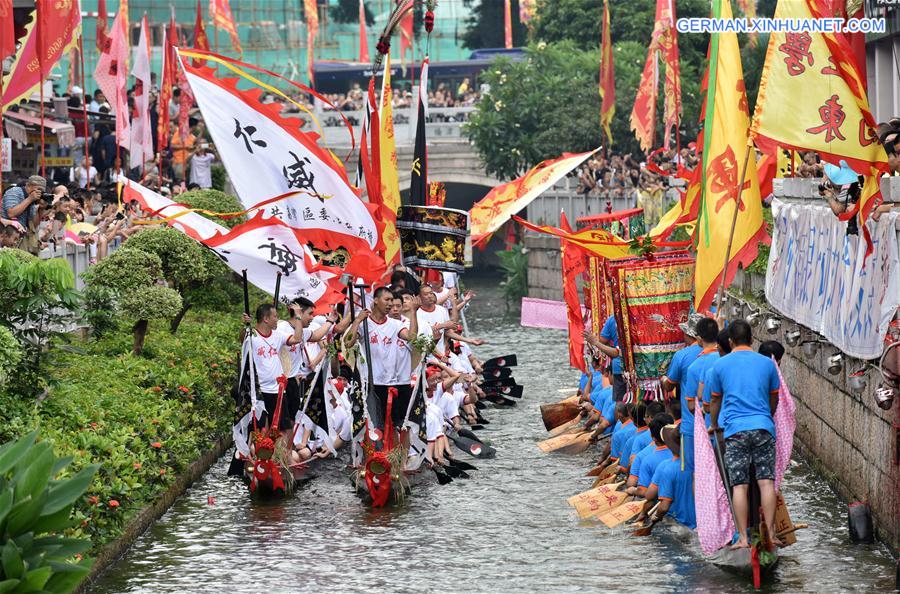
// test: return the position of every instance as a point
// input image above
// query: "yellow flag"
(390, 183)
(726, 151)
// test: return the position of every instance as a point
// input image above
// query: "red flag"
(363, 38)
(310, 7)
(607, 77)
(7, 29)
(111, 75)
(220, 15)
(507, 25)
(201, 41)
(167, 82)
(406, 35)
(573, 266)
(58, 26)
(103, 40)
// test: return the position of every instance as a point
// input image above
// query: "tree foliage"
(10, 354)
(180, 256)
(214, 201)
(36, 505)
(39, 301)
(347, 11)
(130, 279)
(537, 109)
(485, 27)
(549, 104)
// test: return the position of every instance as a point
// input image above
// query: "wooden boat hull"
(737, 561)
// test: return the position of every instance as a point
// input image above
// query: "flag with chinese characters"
(488, 214)
(263, 246)
(574, 264)
(312, 30)
(140, 148)
(269, 156)
(597, 242)
(47, 39)
(167, 82)
(102, 39)
(390, 182)
(725, 153)
(812, 97)
(220, 15)
(664, 44)
(607, 77)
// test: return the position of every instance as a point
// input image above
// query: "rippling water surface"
(508, 529)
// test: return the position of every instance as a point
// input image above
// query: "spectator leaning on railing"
(24, 207)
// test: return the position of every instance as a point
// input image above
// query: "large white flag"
(141, 139)
(268, 156)
(261, 246)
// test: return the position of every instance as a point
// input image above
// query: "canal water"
(507, 529)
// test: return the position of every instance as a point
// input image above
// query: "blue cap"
(842, 175)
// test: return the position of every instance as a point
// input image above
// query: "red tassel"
(383, 46)
(429, 21)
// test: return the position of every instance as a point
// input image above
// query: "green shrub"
(38, 300)
(219, 175)
(214, 201)
(514, 263)
(10, 354)
(130, 277)
(35, 509)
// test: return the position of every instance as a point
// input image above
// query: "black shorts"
(292, 399)
(620, 387)
(399, 405)
(271, 400)
(744, 448)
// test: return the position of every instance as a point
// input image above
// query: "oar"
(569, 427)
(497, 373)
(476, 427)
(499, 400)
(507, 361)
(480, 405)
(472, 447)
(468, 433)
(499, 381)
(568, 443)
(603, 481)
(621, 514)
(456, 472)
(481, 420)
(646, 530)
(792, 530)
(460, 464)
(558, 413)
(508, 391)
(442, 478)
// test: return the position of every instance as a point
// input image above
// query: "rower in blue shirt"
(707, 331)
(660, 453)
(675, 374)
(625, 429)
(672, 486)
(608, 343)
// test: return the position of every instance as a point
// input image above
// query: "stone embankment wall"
(853, 443)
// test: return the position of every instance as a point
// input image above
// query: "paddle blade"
(480, 405)
(442, 478)
(468, 434)
(595, 501)
(473, 448)
(622, 513)
(497, 373)
(507, 391)
(499, 381)
(559, 413)
(457, 473)
(461, 464)
(562, 442)
(570, 427)
(476, 427)
(499, 400)
(507, 361)
(601, 480)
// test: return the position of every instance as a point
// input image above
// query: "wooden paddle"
(783, 523)
(507, 361)
(622, 513)
(597, 501)
(646, 530)
(564, 441)
(558, 413)
(603, 481)
(566, 427)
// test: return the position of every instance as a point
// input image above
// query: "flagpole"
(737, 208)
(87, 137)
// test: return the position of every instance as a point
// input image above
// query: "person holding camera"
(25, 206)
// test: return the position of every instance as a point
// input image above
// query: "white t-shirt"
(299, 362)
(82, 175)
(386, 348)
(313, 348)
(427, 319)
(404, 357)
(449, 279)
(201, 170)
(266, 359)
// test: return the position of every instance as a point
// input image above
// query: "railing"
(440, 123)
(78, 256)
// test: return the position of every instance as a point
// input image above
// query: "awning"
(64, 131)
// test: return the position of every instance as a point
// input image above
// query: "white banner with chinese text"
(819, 277)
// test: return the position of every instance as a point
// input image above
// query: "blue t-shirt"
(582, 383)
(695, 374)
(656, 456)
(680, 362)
(635, 469)
(611, 333)
(676, 485)
(745, 381)
(602, 400)
(642, 439)
(620, 437)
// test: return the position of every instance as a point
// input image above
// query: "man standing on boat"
(744, 393)
(708, 353)
(608, 343)
(674, 376)
(388, 339)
